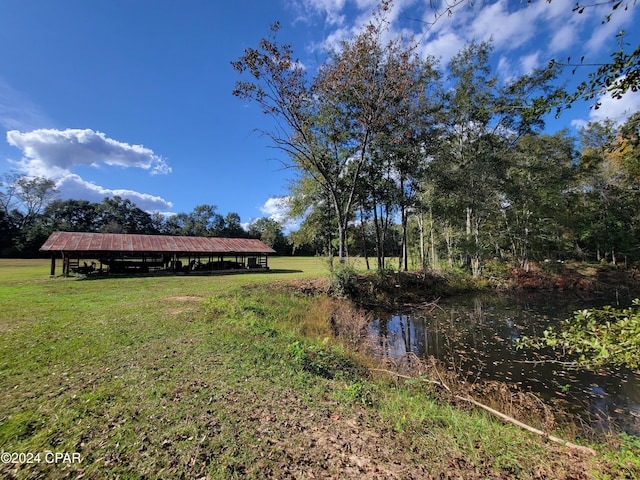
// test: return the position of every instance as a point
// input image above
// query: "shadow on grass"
(214, 273)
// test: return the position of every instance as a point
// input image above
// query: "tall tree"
(483, 121)
(270, 232)
(204, 221)
(72, 216)
(608, 190)
(469, 163)
(328, 126)
(616, 77)
(23, 198)
(232, 226)
(22, 202)
(308, 201)
(118, 215)
(306, 124)
(535, 207)
(176, 224)
(626, 151)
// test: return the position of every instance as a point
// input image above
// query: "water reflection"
(477, 333)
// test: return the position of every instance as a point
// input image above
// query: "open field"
(227, 377)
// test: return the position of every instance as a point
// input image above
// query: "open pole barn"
(130, 253)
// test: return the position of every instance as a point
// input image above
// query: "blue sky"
(133, 97)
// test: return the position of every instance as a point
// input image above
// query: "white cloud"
(73, 187)
(530, 62)
(608, 30)
(53, 153)
(563, 38)
(331, 9)
(618, 110)
(444, 47)
(336, 13)
(505, 69)
(508, 30)
(276, 208)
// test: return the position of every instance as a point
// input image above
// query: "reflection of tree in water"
(475, 336)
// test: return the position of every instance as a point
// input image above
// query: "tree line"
(30, 212)
(536, 197)
(398, 157)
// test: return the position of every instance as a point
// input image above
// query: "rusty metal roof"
(133, 243)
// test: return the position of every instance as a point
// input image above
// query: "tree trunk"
(343, 254)
(476, 261)
(434, 258)
(423, 260)
(448, 238)
(405, 250)
(364, 238)
(379, 246)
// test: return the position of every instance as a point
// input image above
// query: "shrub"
(344, 282)
(598, 337)
(323, 360)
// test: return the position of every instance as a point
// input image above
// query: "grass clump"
(328, 361)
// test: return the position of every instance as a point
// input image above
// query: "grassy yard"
(232, 376)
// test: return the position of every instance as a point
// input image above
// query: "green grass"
(225, 377)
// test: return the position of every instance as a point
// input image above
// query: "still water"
(476, 334)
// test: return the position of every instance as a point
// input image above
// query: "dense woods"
(527, 197)
(442, 167)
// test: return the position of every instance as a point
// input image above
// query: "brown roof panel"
(133, 243)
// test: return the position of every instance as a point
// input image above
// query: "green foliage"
(607, 337)
(626, 458)
(324, 360)
(344, 282)
(360, 392)
(618, 77)
(270, 232)
(497, 268)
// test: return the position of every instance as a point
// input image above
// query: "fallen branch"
(399, 375)
(501, 415)
(529, 428)
(438, 373)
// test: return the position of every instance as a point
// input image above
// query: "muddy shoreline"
(415, 289)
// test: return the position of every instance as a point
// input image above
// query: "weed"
(360, 392)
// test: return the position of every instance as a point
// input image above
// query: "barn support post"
(65, 265)
(53, 265)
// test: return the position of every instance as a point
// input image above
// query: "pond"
(475, 334)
